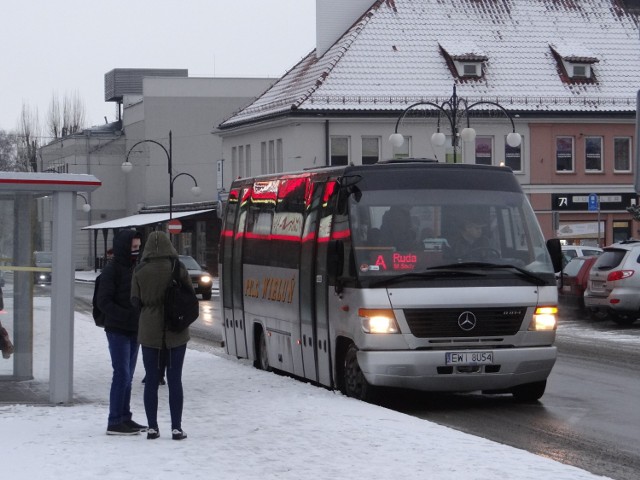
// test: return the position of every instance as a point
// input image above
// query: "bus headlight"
(378, 320)
(544, 318)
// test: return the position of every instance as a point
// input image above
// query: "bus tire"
(262, 355)
(529, 392)
(354, 383)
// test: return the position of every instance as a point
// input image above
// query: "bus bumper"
(429, 370)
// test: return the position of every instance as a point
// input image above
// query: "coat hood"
(158, 245)
(122, 246)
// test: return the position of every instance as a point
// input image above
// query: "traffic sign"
(175, 226)
(593, 202)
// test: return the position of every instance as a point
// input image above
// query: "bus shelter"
(19, 193)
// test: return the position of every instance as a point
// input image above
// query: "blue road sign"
(593, 202)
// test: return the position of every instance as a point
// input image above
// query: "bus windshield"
(415, 230)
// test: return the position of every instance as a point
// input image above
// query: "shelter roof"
(142, 219)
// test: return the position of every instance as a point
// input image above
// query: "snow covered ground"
(242, 424)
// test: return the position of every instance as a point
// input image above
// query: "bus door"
(313, 200)
(237, 280)
(226, 260)
(322, 341)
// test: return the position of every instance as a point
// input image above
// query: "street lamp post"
(454, 109)
(86, 207)
(127, 166)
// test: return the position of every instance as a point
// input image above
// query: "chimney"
(333, 18)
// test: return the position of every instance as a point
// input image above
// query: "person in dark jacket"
(121, 328)
(148, 286)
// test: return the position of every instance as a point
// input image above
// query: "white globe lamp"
(396, 139)
(438, 139)
(468, 134)
(514, 139)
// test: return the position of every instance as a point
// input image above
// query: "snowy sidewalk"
(242, 424)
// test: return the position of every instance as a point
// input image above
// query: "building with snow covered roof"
(565, 71)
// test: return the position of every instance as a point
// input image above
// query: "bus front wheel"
(530, 392)
(354, 383)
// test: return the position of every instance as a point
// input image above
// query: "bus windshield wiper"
(531, 277)
(427, 275)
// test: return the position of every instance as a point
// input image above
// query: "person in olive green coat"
(148, 285)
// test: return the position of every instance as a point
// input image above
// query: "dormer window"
(469, 69)
(464, 58)
(580, 71)
(575, 62)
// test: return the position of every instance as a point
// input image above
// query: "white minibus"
(407, 273)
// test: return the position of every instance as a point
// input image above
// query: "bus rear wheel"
(262, 355)
(354, 383)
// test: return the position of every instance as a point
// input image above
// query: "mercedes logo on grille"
(467, 321)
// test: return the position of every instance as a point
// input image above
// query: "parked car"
(573, 251)
(202, 280)
(614, 283)
(42, 260)
(575, 277)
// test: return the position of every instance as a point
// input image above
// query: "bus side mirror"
(335, 260)
(555, 250)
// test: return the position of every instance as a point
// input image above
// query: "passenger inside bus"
(397, 229)
(470, 242)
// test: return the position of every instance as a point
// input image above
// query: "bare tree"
(78, 113)
(68, 119)
(7, 151)
(28, 139)
(54, 120)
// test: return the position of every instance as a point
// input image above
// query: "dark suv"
(202, 281)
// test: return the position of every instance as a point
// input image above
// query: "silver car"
(614, 283)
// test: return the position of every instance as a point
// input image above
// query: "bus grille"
(444, 322)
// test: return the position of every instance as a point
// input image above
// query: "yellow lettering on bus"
(265, 287)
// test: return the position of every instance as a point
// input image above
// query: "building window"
(234, 163)
(279, 156)
(404, 150)
(370, 150)
(593, 154)
(622, 154)
(247, 153)
(263, 157)
(484, 150)
(272, 156)
(339, 150)
(564, 154)
(513, 155)
(241, 169)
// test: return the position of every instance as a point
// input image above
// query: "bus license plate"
(469, 358)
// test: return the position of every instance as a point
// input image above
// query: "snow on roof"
(391, 57)
(463, 50)
(574, 52)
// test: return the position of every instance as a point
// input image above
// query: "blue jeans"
(124, 355)
(174, 359)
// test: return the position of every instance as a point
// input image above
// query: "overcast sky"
(66, 46)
